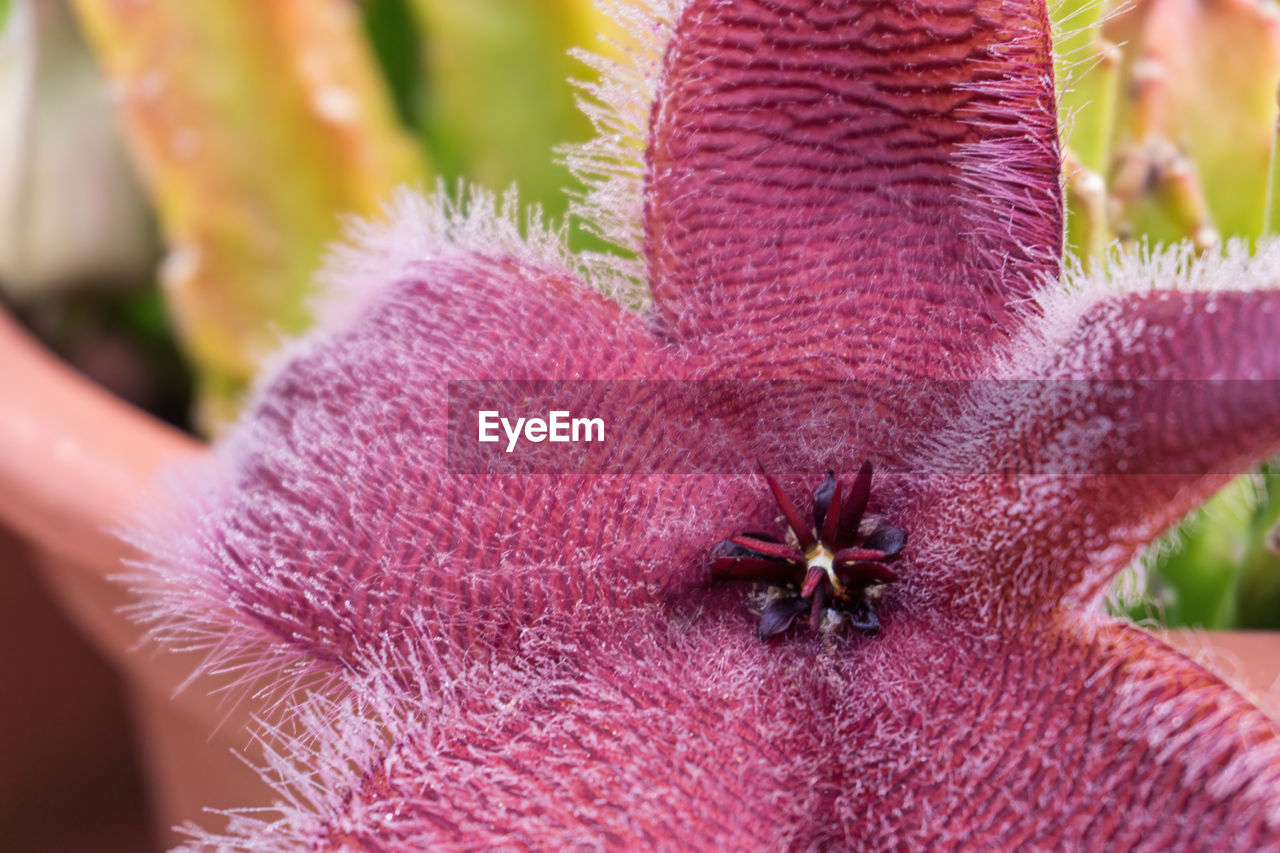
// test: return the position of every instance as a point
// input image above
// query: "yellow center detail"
(821, 557)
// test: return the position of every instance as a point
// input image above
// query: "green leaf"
(391, 29)
(1259, 599)
(1086, 66)
(1194, 584)
(258, 125)
(498, 101)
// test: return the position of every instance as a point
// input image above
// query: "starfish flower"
(834, 564)
(858, 205)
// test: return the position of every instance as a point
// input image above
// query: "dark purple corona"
(838, 563)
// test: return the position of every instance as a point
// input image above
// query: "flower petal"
(1140, 407)
(854, 507)
(778, 615)
(338, 512)
(1085, 735)
(827, 493)
(569, 748)
(886, 538)
(852, 183)
(693, 735)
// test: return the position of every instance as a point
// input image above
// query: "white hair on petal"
(186, 609)
(395, 713)
(415, 228)
(1233, 506)
(1058, 307)
(1000, 404)
(619, 102)
(1199, 645)
(1195, 714)
(1055, 312)
(183, 606)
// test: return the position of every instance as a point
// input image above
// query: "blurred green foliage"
(1225, 570)
(391, 28)
(258, 126)
(1169, 116)
(442, 60)
(496, 101)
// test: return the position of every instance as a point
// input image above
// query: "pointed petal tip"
(823, 499)
(811, 581)
(853, 508)
(794, 520)
(816, 607)
(763, 548)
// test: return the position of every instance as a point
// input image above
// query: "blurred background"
(172, 172)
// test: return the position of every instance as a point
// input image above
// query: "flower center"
(823, 559)
(835, 564)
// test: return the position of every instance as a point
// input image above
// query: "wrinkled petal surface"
(834, 190)
(338, 514)
(1139, 409)
(676, 734)
(851, 188)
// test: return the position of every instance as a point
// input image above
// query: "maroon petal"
(854, 555)
(813, 579)
(886, 539)
(337, 516)
(1142, 412)
(1087, 736)
(730, 561)
(749, 569)
(822, 497)
(864, 574)
(854, 507)
(829, 524)
(768, 549)
(794, 519)
(852, 181)
(779, 615)
(816, 607)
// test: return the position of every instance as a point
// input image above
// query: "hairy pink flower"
(850, 200)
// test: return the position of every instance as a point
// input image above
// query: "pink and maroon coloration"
(833, 564)
(830, 190)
